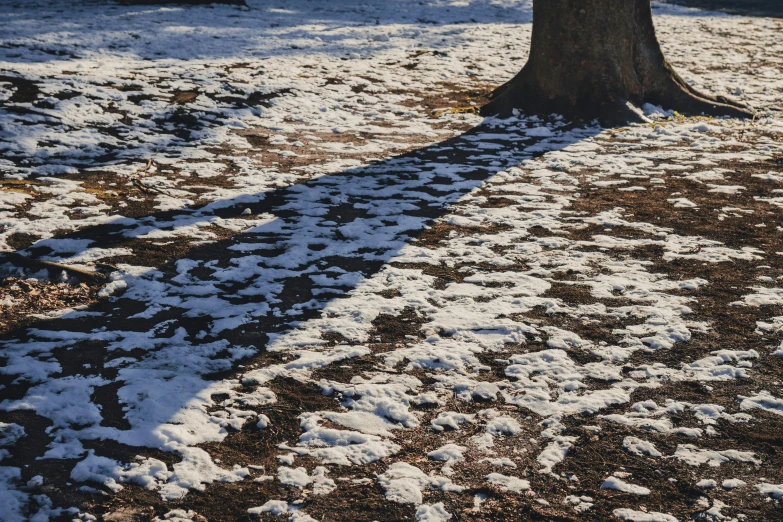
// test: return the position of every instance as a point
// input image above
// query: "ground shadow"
(770, 8)
(121, 114)
(129, 369)
(265, 28)
(116, 378)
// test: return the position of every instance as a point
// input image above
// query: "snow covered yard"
(331, 291)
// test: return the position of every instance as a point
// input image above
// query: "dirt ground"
(648, 240)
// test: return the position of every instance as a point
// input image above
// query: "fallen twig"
(141, 186)
(144, 188)
(38, 264)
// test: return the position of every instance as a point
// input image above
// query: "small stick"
(144, 188)
(32, 263)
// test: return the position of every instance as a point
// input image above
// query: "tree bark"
(599, 59)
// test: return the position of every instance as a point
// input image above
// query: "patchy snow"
(641, 447)
(434, 513)
(643, 516)
(271, 150)
(772, 490)
(619, 484)
(506, 483)
(403, 483)
(763, 400)
(449, 452)
(730, 484)
(695, 456)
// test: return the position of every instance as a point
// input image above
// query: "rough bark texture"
(599, 59)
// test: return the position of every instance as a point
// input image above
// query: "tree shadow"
(54, 123)
(144, 367)
(77, 119)
(266, 28)
(764, 8)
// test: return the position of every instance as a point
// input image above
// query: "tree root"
(520, 94)
(678, 95)
(690, 104)
(677, 84)
(511, 100)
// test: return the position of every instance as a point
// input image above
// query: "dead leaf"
(454, 110)
(183, 97)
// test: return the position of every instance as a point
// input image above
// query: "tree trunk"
(599, 59)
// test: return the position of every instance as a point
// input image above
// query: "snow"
(344, 447)
(449, 452)
(299, 477)
(503, 426)
(13, 500)
(106, 471)
(730, 484)
(642, 516)
(451, 419)
(618, 484)
(580, 504)
(312, 187)
(10, 433)
(506, 483)
(695, 456)
(403, 483)
(764, 400)
(434, 513)
(641, 447)
(177, 515)
(772, 490)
